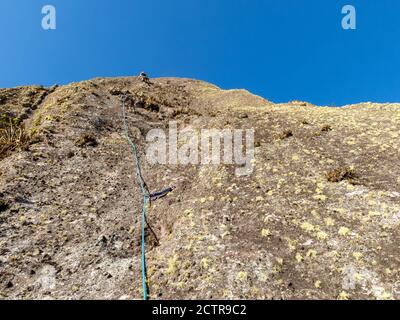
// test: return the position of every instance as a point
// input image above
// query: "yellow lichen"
(205, 263)
(357, 255)
(242, 276)
(299, 257)
(344, 231)
(306, 226)
(320, 197)
(329, 222)
(321, 235)
(265, 232)
(358, 277)
(259, 198)
(173, 264)
(311, 253)
(343, 296)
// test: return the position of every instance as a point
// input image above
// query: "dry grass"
(12, 137)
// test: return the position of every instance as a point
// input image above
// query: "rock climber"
(143, 77)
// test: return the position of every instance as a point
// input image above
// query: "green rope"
(145, 197)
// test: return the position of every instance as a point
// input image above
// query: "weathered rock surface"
(319, 217)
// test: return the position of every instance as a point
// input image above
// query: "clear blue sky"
(280, 49)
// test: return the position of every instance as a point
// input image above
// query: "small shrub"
(286, 134)
(3, 205)
(70, 154)
(153, 107)
(326, 128)
(98, 123)
(115, 92)
(340, 174)
(86, 140)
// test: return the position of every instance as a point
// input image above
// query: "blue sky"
(280, 49)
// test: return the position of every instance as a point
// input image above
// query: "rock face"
(318, 218)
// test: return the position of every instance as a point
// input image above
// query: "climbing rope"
(145, 195)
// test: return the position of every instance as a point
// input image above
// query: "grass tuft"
(12, 137)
